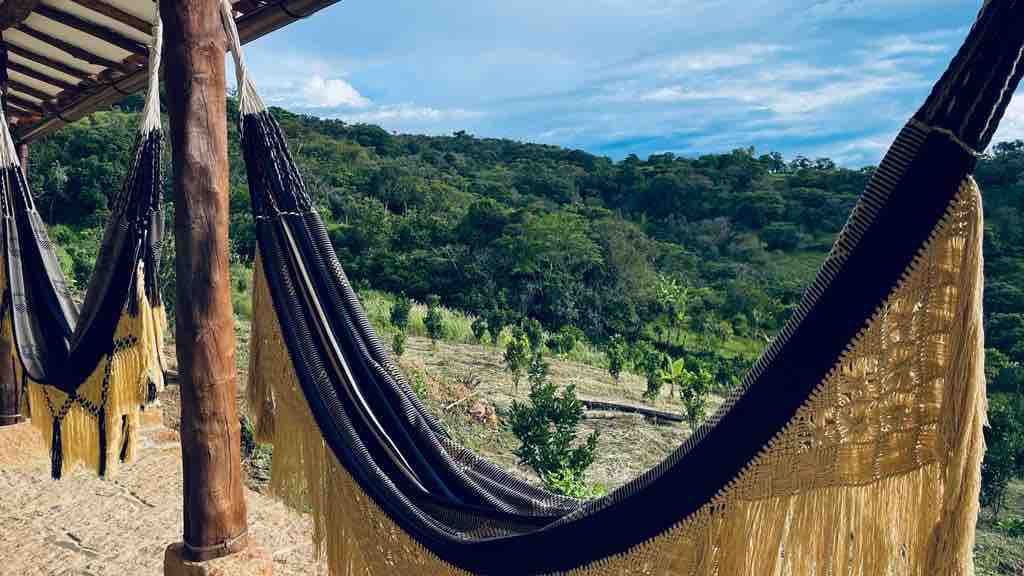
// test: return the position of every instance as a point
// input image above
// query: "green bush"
(479, 328)
(433, 321)
(547, 427)
(653, 363)
(398, 344)
(1004, 450)
(564, 341)
(517, 355)
(400, 309)
(616, 354)
(534, 333)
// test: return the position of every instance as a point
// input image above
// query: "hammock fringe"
(878, 473)
(96, 426)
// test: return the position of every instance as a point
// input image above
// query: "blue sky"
(832, 78)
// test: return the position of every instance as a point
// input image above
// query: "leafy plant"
(1012, 527)
(675, 375)
(546, 427)
(616, 353)
(479, 328)
(398, 344)
(434, 321)
(517, 355)
(496, 322)
(694, 394)
(1004, 453)
(564, 341)
(400, 310)
(534, 333)
(653, 363)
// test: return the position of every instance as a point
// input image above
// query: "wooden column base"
(252, 561)
(7, 420)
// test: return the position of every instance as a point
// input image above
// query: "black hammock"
(87, 372)
(853, 445)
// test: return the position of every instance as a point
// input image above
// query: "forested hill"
(684, 252)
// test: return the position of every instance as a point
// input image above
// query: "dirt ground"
(85, 526)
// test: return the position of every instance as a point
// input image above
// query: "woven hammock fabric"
(87, 372)
(853, 446)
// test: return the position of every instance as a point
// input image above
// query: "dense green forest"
(705, 255)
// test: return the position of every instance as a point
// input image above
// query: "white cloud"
(706, 61)
(320, 92)
(409, 113)
(1012, 125)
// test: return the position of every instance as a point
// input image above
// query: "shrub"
(616, 353)
(398, 344)
(496, 322)
(1004, 454)
(479, 328)
(534, 333)
(564, 341)
(517, 355)
(547, 427)
(400, 312)
(694, 395)
(653, 362)
(433, 321)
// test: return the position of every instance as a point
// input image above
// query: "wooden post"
(215, 515)
(10, 388)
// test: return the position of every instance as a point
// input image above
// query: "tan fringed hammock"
(87, 373)
(853, 446)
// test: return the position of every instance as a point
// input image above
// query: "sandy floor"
(84, 526)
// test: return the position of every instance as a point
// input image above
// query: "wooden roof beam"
(92, 29)
(26, 89)
(39, 75)
(75, 51)
(115, 13)
(25, 104)
(48, 62)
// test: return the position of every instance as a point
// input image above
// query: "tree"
(1004, 450)
(496, 322)
(398, 343)
(517, 355)
(694, 394)
(672, 302)
(534, 333)
(615, 352)
(400, 312)
(564, 341)
(433, 321)
(675, 375)
(547, 427)
(479, 328)
(653, 363)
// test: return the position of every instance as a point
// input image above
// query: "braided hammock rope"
(87, 373)
(853, 446)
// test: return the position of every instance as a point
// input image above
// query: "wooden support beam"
(214, 515)
(26, 89)
(95, 30)
(10, 388)
(65, 46)
(25, 104)
(48, 62)
(40, 76)
(115, 13)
